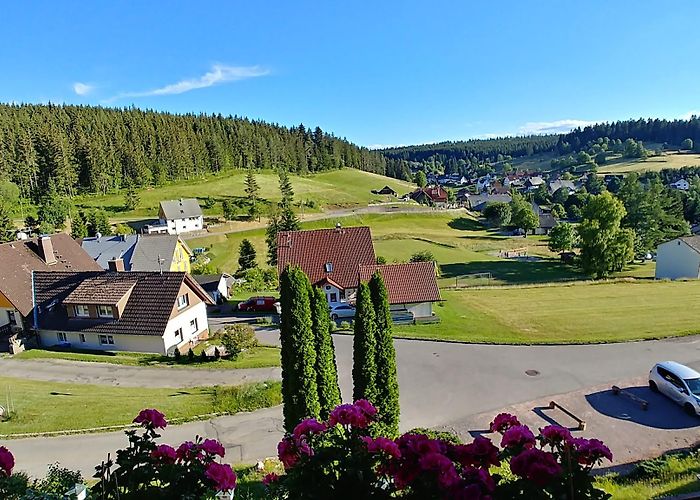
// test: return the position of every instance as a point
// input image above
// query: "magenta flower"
(152, 418)
(308, 427)
(519, 436)
(222, 476)
(367, 407)
(165, 454)
(442, 467)
(287, 453)
(479, 453)
(555, 435)
(503, 422)
(187, 451)
(213, 447)
(590, 451)
(270, 479)
(7, 462)
(349, 415)
(535, 465)
(382, 445)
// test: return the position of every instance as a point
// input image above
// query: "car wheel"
(653, 386)
(689, 409)
(334, 317)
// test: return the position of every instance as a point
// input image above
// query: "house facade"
(679, 258)
(139, 252)
(177, 217)
(138, 312)
(216, 285)
(430, 195)
(58, 252)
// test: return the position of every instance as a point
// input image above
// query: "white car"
(342, 310)
(677, 382)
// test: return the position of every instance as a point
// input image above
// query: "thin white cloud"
(555, 127)
(82, 88)
(218, 74)
(385, 146)
(690, 114)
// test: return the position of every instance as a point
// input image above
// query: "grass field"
(42, 406)
(565, 313)
(653, 164)
(337, 188)
(258, 357)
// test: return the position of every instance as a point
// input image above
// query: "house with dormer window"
(117, 311)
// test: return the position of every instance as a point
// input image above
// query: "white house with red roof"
(337, 260)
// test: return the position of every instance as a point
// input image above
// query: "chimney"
(46, 250)
(116, 265)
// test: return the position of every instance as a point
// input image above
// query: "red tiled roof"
(408, 283)
(346, 249)
(435, 193)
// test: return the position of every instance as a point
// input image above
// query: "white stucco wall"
(171, 340)
(419, 310)
(328, 290)
(675, 259)
(178, 226)
(132, 343)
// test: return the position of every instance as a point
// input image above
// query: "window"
(334, 297)
(106, 340)
(193, 326)
(81, 311)
(82, 338)
(178, 333)
(183, 301)
(104, 311)
(61, 337)
(329, 267)
(11, 317)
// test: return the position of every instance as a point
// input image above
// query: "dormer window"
(183, 301)
(81, 311)
(329, 267)
(104, 311)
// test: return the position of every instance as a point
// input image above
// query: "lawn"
(43, 406)
(654, 164)
(258, 357)
(336, 188)
(565, 313)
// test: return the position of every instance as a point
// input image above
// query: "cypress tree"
(364, 366)
(387, 381)
(326, 370)
(298, 352)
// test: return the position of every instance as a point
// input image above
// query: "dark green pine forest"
(88, 149)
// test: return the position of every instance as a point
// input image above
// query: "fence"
(471, 280)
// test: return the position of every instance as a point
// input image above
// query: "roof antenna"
(161, 261)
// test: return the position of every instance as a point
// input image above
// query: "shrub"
(190, 355)
(177, 355)
(423, 256)
(444, 436)
(247, 397)
(345, 325)
(237, 338)
(203, 357)
(217, 353)
(58, 480)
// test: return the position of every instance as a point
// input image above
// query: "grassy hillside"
(566, 313)
(656, 163)
(333, 189)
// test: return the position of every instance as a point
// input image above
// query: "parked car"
(677, 382)
(342, 310)
(258, 304)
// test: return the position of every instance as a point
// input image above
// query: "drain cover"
(531, 373)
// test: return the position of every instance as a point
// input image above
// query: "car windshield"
(694, 385)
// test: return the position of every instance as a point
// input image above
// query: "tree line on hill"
(98, 150)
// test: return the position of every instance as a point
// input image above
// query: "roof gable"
(345, 249)
(153, 252)
(180, 209)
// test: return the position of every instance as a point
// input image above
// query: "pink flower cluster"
(382, 445)
(503, 422)
(518, 436)
(535, 465)
(221, 475)
(7, 462)
(151, 418)
(358, 415)
(590, 451)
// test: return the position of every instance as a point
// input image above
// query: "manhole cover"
(531, 373)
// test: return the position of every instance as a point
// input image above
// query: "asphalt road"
(440, 383)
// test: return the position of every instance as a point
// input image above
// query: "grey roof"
(209, 282)
(692, 241)
(555, 186)
(178, 209)
(150, 248)
(147, 311)
(479, 202)
(107, 248)
(547, 221)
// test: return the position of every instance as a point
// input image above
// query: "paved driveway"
(440, 384)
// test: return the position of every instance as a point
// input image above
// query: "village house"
(136, 311)
(386, 190)
(679, 258)
(478, 202)
(335, 259)
(216, 285)
(156, 252)
(430, 195)
(58, 252)
(558, 184)
(177, 217)
(534, 182)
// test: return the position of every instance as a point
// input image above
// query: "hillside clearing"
(565, 313)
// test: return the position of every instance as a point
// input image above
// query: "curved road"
(440, 383)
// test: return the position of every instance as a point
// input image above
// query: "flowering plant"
(343, 458)
(147, 470)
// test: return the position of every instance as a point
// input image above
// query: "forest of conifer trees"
(88, 149)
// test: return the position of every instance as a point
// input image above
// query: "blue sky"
(378, 73)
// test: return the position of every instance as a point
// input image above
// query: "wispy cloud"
(385, 146)
(555, 127)
(690, 114)
(82, 88)
(218, 74)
